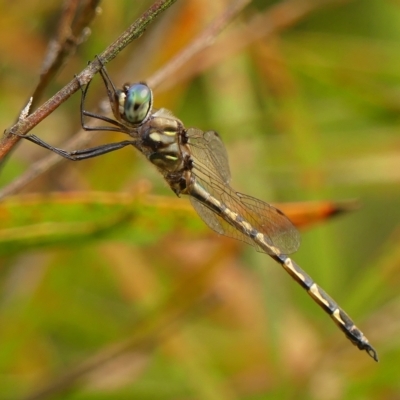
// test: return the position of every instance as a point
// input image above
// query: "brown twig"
(276, 19)
(72, 30)
(23, 126)
(57, 46)
(201, 42)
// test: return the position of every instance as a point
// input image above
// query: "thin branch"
(79, 140)
(276, 19)
(72, 31)
(202, 41)
(58, 49)
(23, 126)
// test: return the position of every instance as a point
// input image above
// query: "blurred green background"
(113, 288)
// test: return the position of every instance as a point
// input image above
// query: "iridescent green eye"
(138, 103)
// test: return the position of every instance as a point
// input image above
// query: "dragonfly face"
(134, 103)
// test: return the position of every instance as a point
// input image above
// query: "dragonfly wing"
(208, 216)
(218, 224)
(207, 148)
(218, 155)
(211, 169)
(272, 222)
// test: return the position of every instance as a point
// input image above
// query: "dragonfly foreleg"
(77, 155)
(121, 127)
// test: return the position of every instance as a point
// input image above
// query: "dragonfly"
(195, 163)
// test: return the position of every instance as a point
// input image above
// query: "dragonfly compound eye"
(138, 103)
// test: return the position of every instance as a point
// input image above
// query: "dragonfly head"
(135, 103)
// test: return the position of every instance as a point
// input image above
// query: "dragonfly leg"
(119, 125)
(77, 155)
(108, 83)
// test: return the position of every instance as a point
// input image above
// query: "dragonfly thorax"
(161, 141)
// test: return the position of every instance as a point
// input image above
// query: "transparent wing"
(274, 223)
(208, 147)
(211, 169)
(208, 216)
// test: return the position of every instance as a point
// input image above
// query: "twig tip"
(25, 111)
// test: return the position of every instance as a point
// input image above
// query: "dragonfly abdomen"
(338, 315)
(264, 243)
